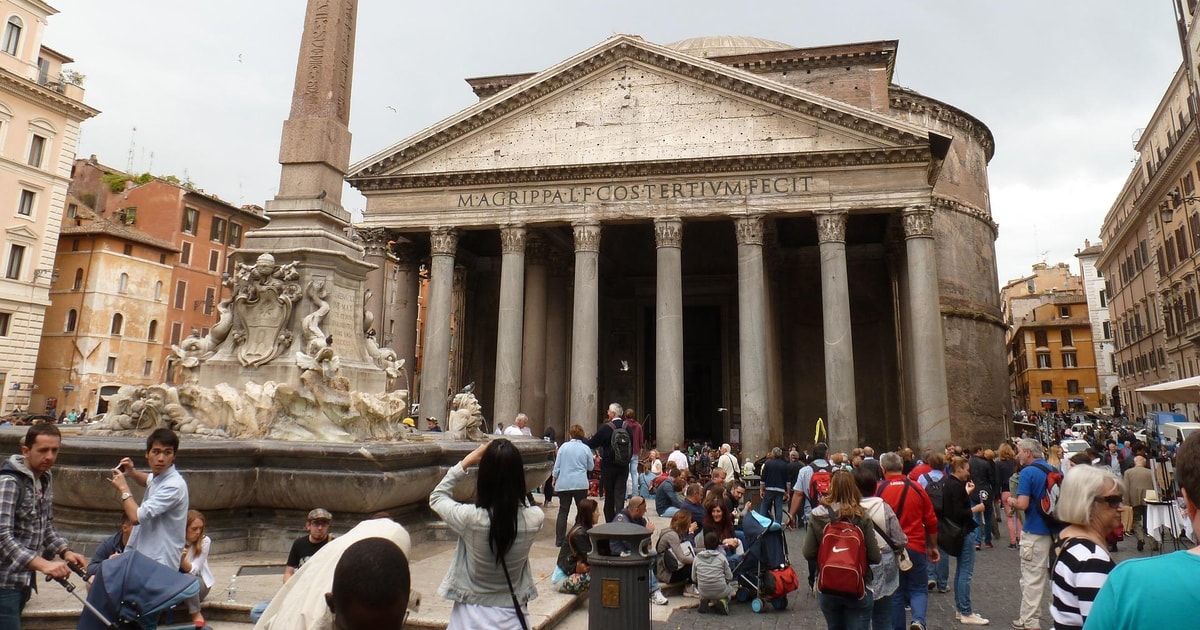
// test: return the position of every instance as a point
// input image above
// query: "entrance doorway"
(703, 374)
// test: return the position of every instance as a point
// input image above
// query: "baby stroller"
(764, 574)
(127, 588)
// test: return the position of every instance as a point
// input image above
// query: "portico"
(732, 255)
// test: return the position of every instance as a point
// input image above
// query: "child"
(713, 578)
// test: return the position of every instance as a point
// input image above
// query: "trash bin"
(620, 586)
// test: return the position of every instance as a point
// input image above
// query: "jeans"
(881, 614)
(639, 486)
(987, 521)
(12, 602)
(846, 613)
(939, 571)
(257, 610)
(963, 570)
(669, 512)
(612, 486)
(646, 479)
(772, 505)
(913, 591)
(565, 499)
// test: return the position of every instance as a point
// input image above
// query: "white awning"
(1184, 390)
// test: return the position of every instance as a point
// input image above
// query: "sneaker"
(973, 619)
(691, 591)
(658, 599)
(1012, 545)
(916, 625)
(976, 547)
(1018, 626)
(1141, 545)
(931, 584)
(957, 616)
(723, 606)
(989, 546)
(944, 590)
(703, 607)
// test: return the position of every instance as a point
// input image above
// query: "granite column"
(435, 356)
(930, 396)
(668, 332)
(752, 335)
(509, 325)
(585, 327)
(840, 403)
(533, 356)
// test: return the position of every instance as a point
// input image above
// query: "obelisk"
(308, 223)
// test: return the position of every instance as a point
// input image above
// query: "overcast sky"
(1062, 84)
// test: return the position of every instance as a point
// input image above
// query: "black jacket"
(983, 473)
(602, 439)
(957, 503)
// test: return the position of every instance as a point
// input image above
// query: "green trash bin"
(621, 560)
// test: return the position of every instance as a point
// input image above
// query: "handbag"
(901, 552)
(951, 537)
(672, 563)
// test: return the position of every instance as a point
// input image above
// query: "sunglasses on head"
(1113, 500)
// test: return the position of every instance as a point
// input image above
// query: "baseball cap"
(409, 422)
(320, 514)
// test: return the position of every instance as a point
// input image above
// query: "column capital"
(512, 239)
(918, 222)
(749, 230)
(374, 240)
(587, 236)
(668, 232)
(443, 241)
(831, 226)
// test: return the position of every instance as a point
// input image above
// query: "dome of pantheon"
(726, 45)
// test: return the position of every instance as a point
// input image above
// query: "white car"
(1070, 447)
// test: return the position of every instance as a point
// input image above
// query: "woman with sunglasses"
(1090, 502)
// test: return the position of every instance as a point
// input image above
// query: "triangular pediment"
(21, 232)
(629, 101)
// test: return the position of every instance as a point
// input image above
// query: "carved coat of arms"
(264, 296)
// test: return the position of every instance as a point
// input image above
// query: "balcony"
(1191, 331)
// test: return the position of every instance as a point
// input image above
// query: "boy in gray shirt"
(713, 578)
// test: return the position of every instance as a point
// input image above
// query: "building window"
(1106, 328)
(123, 283)
(1066, 337)
(162, 259)
(180, 293)
(152, 331)
(1064, 311)
(16, 257)
(72, 320)
(185, 253)
(37, 150)
(218, 230)
(158, 290)
(235, 235)
(1047, 387)
(1072, 387)
(209, 296)
(214, 260)
(1039, 339)
(176, 333)
(148, 368)
(12, 35)
(127, 250)
(72, 211)
(1103, 298)
(25, 204)
(111, 366)
(191, 220)
(74, 244)
(1043, 359)
(1069, 360)
(78, 283)
(118, 322)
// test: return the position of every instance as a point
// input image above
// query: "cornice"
(67, 106)
(940, 202)
(902, 98)
(973, 314)
(624, 170)
(627, 50)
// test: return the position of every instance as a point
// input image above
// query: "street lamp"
(1167, 207)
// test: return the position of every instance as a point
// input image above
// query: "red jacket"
(916, 515)
(920, 469)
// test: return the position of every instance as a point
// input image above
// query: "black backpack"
(936, 489)
(621, 444)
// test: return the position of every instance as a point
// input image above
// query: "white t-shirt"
(513, 429)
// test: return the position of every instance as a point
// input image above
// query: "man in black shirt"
(305, 547)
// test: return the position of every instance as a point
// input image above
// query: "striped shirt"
(1080, 571)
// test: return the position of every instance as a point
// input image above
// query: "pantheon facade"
(743, 240)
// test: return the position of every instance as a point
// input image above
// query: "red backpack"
(842, 560)
(818, 485)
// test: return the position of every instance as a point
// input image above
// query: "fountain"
(288, 403)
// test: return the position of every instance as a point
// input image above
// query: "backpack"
(1048, 504)
(842, 560)
(621, 444)
(818, 484)
(936, 489)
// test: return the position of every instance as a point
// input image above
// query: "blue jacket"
(571, 466)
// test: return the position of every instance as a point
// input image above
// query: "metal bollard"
(620, 587)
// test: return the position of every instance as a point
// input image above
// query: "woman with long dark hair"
(573, 553)
(718, 520)
(490, 570)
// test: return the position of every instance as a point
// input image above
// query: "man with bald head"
(1137, 481)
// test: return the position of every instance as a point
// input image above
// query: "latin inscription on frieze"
(633, 192)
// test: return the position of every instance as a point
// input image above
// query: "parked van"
(1167, 428)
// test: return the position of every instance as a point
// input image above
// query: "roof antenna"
(129, 160)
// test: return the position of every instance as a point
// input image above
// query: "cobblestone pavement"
(995, 594)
